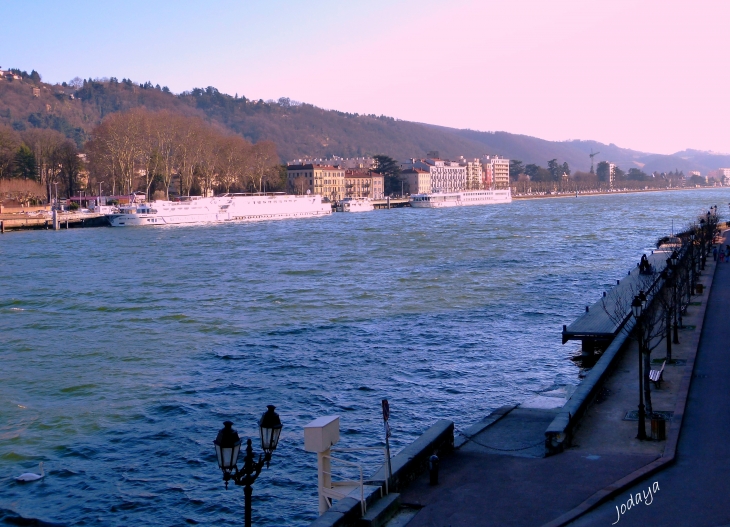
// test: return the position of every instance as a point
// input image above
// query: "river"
(123, 350)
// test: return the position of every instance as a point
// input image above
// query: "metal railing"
(340, 487)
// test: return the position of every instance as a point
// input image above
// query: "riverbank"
(603, 192)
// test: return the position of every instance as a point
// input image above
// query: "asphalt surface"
(695, 491)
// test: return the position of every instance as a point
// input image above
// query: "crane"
(592, 155)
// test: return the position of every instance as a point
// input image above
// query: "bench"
(655, 376)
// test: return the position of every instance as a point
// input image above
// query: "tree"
(636, 174)
(532, 170)
(70, 165)
(554, 169)
(9, 144)
(263, 164)
(44, 143)
(651, 329)
(515, 169)
(585, 180)
(232, 156)
(566, 168)
(697, 180)
(603, 171)
(24, 163)
(387, 167)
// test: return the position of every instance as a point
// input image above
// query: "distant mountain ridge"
(304, 130)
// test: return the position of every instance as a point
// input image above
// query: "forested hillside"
(302, 130)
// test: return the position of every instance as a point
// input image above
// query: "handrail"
(360, 449)
(330, 492)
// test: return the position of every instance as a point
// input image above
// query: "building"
(417, 180)
(325, 180)
(446, 176)
(364, 184)
(611, 174)
(351, 163)
(474, 173)
(36, 92)
(498, 168)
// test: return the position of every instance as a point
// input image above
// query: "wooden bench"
(655, 376)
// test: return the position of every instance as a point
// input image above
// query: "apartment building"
(499, 169)
(446, 176)
(364, 184)
(417, 180)
(474, 173)
(325, 180)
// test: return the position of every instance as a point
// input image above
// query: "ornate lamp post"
(228, 445)
(637, 308)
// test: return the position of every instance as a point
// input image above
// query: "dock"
(65, 220)
(601, 322)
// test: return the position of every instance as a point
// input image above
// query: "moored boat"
(355, 205)
(461, 198)
(228, 207)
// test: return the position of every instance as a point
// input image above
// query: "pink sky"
(647, 75)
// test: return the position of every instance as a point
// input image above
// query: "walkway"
(498, 478)
(695, 491)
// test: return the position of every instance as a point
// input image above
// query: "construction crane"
(592, 155)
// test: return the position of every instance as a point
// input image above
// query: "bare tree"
(44, 143)
(231, 154)
(263, 163)
(651, 328)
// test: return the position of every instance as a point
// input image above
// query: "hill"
(303, 130)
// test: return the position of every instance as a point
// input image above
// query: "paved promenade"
(498, 477)
(695, 491)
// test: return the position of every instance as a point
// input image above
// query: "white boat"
(461, 198)
(355, 205)
(228, 207)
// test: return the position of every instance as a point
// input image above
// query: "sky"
(648, 75)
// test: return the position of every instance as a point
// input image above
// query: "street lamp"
(637, 308)
(228, 445)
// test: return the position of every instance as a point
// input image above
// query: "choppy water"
(123, 350)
